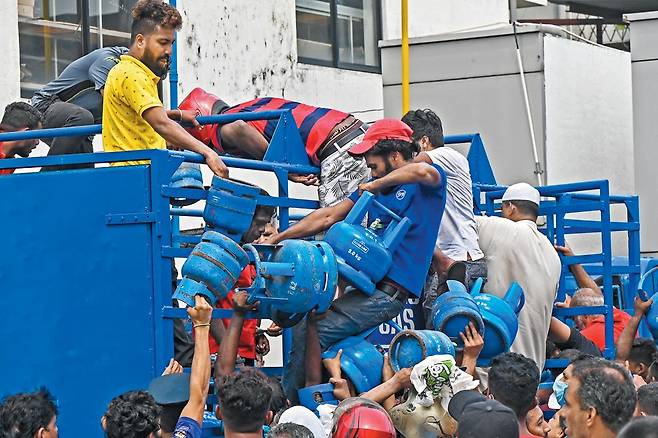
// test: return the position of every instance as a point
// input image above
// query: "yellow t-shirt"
(130, 89)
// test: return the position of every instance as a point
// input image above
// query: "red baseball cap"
(384, 129)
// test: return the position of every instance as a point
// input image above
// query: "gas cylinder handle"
(640, 288)
(358, 211)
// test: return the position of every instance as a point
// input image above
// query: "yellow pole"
(405, 56)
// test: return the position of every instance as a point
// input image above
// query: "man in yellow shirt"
(133, 115)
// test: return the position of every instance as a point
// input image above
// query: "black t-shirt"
(579, 342)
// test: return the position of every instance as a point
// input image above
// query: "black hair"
(513, 381)
(425, 123)
(290, 430)
(647, 399)
(643, 351)
(149, 14)
(527, 208)
(279, 401)
(608, 388)
(265, 209)
(19, 115)
(133, 414)
(244, 399)
(22, 415)
(170, 415)
(640, 427)
(384, 148)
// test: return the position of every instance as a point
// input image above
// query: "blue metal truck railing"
(559, 204)
(142, 232)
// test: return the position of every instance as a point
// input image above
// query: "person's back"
(458, 219)
(517, 251)
(81, 81)
(314, 123)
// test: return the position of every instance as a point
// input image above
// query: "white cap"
(521, 192)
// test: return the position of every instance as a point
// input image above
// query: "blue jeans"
(349, 315)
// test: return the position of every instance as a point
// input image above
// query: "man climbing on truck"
(327, 135)
(412, 190)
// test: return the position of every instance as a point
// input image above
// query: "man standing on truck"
(412, 190)
(133, 115)
(75, 98)
(327, 135)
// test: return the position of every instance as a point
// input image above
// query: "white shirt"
(518, 251)
(458, 236)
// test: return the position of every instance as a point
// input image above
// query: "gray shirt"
(81, 81)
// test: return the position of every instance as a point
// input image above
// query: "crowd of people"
(406, 166)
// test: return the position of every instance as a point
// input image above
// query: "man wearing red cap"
(412, 190)
(327, 135)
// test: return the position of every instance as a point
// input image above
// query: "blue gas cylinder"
(365, 256)
(212, 269)
(230, 207)
(652, 317)
(500, 319)
(453, 310)
(360, 361)
(187, 176)
(411, 347)
(293, 278)
(313, 396)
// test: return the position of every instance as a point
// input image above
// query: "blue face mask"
(559, 389)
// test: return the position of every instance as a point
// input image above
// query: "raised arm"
(420, 173)
(314, 223)
(174, 134)
(625, 340)
(313, 364)
(200, 376)
(583, 280)
(228, 349)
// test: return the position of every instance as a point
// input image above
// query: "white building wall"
(10, 77)
(243, 49)
(432, 17)
(589, 114)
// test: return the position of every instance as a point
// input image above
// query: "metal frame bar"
(589, 196)
(164, 237)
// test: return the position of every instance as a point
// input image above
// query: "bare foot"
(387, 369)
(341, 389)
(333, 365)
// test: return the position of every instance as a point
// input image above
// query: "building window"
(53, 33)
(339, 33)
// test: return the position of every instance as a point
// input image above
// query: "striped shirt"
(314, 123)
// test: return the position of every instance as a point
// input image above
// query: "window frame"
(335, 62)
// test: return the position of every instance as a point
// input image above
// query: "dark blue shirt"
(424, 206)
(187, 428)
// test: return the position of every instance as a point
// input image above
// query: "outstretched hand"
(641, 307)
(307, 180)
(241, 303)
(473, 342)
(201, 313)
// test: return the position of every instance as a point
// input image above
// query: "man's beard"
(155, 65)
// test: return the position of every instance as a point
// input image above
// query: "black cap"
(170, 389)
(480, 417)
